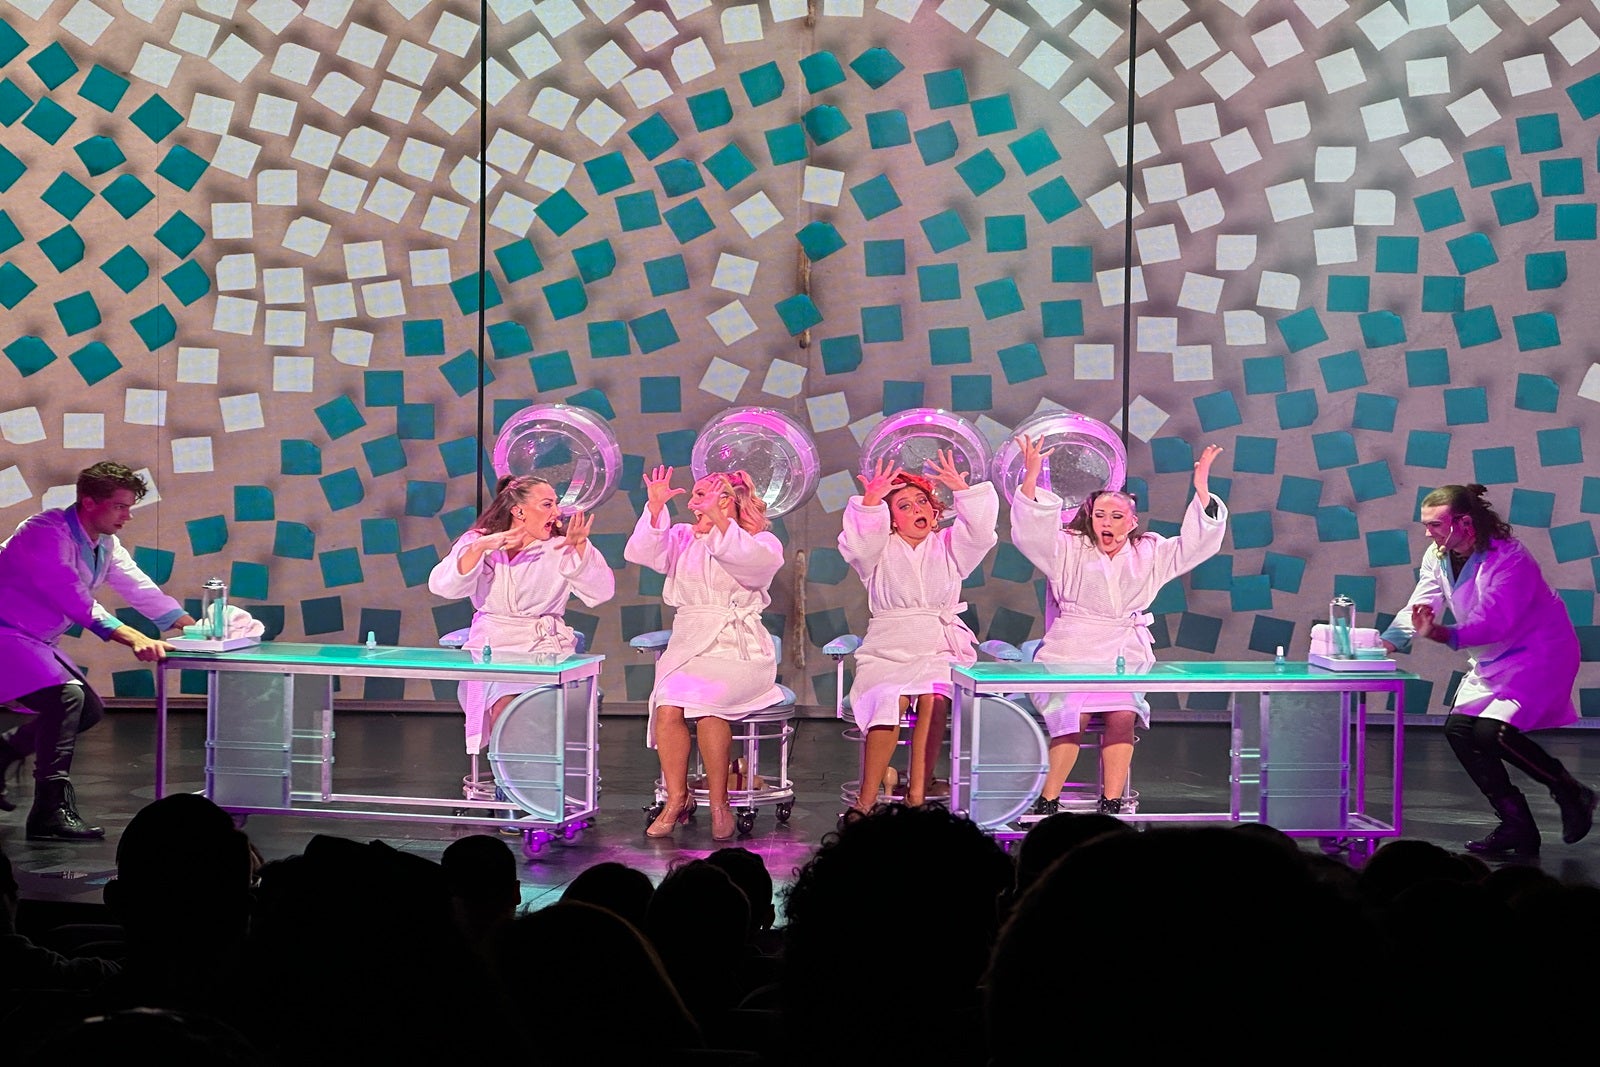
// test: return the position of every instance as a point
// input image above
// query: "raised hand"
(659, 490)
(578, 526)
(877, 486)
(1033, 456)
(943, 470)
(1426, 625)
(1202, 472)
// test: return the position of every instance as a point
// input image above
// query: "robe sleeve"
(1429, 591)
(865, 535)
(752, 560)
(1198, 540)
(650, 545)
(140, 590)
(1036, 530)
(975, 531)
(592, 578)
(446, 579)
(49, 551)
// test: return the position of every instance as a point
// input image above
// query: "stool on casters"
(893, 785)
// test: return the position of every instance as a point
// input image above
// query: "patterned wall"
(302, 261)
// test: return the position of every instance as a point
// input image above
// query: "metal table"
(1278, 771)
(270, 734)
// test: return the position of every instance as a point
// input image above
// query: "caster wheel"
(1333, 846)
(784, 811)
(652, 810)
(745, 821)
(533, 841)
(571, 831)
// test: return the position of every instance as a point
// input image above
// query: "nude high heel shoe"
(722, 822)
(672, 815)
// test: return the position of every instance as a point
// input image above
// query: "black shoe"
(1577, 803)
(54, 816)
(1045, 807)
(1109, 806)
(1517, 832)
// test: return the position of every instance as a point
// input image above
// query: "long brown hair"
(509, 492)
(1082, 523)
(749, 510)
(1469, 500)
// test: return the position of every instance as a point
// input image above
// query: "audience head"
(749, 872)
(184, 873)
(618, 888)
(1051, 838)
(698, 921)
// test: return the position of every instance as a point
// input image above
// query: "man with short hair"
(49, 569)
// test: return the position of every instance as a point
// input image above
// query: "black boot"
(1517, 831)
(1108, 806)
(9, 758)
(54, 816)
(1577, 803)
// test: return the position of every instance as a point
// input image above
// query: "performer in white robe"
(1103, 577)
(913, 573)
(1524, 656)
(519, 565)
(720, 663)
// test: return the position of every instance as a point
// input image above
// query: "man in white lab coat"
(50, 568)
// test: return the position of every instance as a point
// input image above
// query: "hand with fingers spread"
(1033, 457)
(943, 471)
(876, 486)
(1202, 472)
(578, 526)
(659, 490)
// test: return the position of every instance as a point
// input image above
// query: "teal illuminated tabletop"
(270, 740)
(1272, 754)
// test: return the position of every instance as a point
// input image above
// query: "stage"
(1179, 766)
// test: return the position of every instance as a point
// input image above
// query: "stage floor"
(1180, 766)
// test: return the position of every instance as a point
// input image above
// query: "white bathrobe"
(914, 596)
(720, 660)
(1101, 603)
(1519, 638)
(521, 602)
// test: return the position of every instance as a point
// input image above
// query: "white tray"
(211, 644)
(1332, 663)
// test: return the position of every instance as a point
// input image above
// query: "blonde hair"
(749, 510)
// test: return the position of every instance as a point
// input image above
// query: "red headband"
(917, 481)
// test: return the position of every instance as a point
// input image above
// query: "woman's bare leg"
(1116, 752)
(878, 751)
(672, 749)
(1063, 756)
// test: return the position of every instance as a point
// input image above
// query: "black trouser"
(1486, 746)
(61, 713)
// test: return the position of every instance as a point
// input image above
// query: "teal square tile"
(945, 88)
(1062, 318)
(1444, 293)
(504, 408)
(180, 234)
(840, 355)
(383, 388)
(949, 345)
(299, 457)
(1005, 233)
(1537, 392)
(99, 154)
(688, 220)
(1265, 374)
(825, 123)
(566, 298)
(465, 373)
(560, 211)
(208, 535)
(1296, 409)
(1370, 481)
(1495, 466)
(1055, 199)
(182, 167)
(1381, 329)
(94, 362)
(342, 566)
(64, 248)
(67, 195)
(1034, 152)
(763, 84)
(1283, 571)
(609, 339)
(820, 240)
(552, 370)
(1471, 252)
(1397, 255)
(937, 143)
(1337, 523)
(155, 327)
(786, 144)
(11, 168)
(939, 281)
(884, 258)
(103, 88)
(993, 114)
(1342, 371)
(1589, 502)
(1374, 411)
(29, 355)
(49, 120)
(654, 331)
(1466, 406)
(901, 396)
(1585, 96)
(1439, 209)
(971, 392)
(1476, 326)
(1427, 366)
(415, 566)
(877, 67)
(730, 166)
(1515, 203)
(981, 172)
(679, 176)
(128, 195)
(1388, 548)
(155, 118)
(1217, 410)
(637, 211)
(339, 417)
(1575, 222)
(1255, 455)
(1573, 541)
(384, 455)
(1487, 166)
(945, 231)
(188, 282)
(608, 173)
(1561, 177)
(1302, 329)
(875, 196)
(342, 489)
(710, 110)
(1544, 270)
(595, 261)
(461, 456)
(1560, 447)
(1538, 133)
(1251, 529)
(881, 324)
(508, 339)
(423, 337)
(1072, 263)
(1021, 363)
(669, 274)
(999, 298)
(53, 64)
(1427, 448)
(518, 260)
(1349, 292)
(381, 537)
(1536, 330)
(476, 292)
(1250, 593)
(821, 70)
(10, 236)
(675, 447)
(653, 136)
(660, 395)
(248, 581)
(887, 129)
